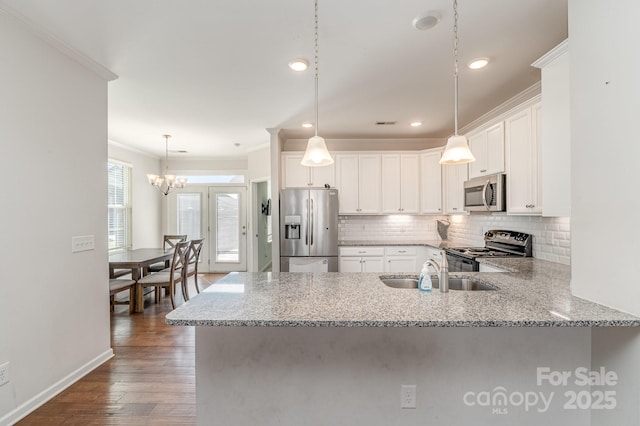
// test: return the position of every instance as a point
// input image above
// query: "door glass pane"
(227, 227)
(189, 215)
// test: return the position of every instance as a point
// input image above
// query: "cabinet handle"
(455, 208)
(362, 252)
(310, 184)
(402, 251)
(483, 171)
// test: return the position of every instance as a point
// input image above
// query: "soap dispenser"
(424, 282)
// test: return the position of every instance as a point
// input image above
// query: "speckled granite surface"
(536, 295)
(431, 243)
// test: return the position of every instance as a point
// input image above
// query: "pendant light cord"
(316, 60)
(455, 66)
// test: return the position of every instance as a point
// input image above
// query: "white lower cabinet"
(400, 259)
(361, 259)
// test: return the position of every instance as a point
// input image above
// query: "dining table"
(137, 260)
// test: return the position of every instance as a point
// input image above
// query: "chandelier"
(167, 183)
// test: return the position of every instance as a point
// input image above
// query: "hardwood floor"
(149, 381)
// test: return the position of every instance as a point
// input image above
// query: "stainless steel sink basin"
(455, 283)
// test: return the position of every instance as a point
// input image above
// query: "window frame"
(126, 206)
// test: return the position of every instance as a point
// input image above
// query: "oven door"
(461, 264)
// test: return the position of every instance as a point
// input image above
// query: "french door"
(227, 229)
(218, 214)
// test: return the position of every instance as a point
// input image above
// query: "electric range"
(497, 243)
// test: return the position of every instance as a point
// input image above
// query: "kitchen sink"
(455, 283)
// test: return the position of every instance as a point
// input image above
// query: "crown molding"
(45, 35)
(518, 100)
(551, 55)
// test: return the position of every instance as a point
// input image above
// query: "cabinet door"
(369, 183)
(324, 175)
(350, 264)
(521, 163)
(295, 174)
(390, 185)
(536, 137)
(373, 264)
(409, 183)
(431, 182)
(478, 146)
(401, 264)
(347, 182)
(455, 176)
(495, 149)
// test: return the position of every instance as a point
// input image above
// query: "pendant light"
(316, 154)
(457, 150)
(168, 182)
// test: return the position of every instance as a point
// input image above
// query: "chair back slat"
(170, 241)
(180, 253)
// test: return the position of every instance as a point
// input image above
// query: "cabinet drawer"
(361, 251)
(400, 251)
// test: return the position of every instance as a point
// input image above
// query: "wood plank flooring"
(149, 381)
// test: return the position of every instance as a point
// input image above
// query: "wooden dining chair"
(168, 279)
(193, 258)
(169, 242)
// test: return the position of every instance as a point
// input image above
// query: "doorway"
(217, 213)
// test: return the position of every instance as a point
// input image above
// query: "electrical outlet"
(408, 396)
(4, 373)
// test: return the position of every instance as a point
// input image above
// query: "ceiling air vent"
(386, 123)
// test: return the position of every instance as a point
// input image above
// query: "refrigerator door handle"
(306, 231)
(311, 221)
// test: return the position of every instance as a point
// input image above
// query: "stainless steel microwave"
(485, 194)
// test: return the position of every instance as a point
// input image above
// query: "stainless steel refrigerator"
(309, 230)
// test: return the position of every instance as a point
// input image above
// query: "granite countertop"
(535, 294)
(431, 243)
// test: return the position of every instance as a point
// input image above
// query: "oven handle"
(484, 195)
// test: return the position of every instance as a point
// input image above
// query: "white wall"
(605, 151)
(259, 164)
(54, 309)
(146, 210)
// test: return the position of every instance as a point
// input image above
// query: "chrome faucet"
(442, 270)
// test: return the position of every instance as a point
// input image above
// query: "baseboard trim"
(32, 404)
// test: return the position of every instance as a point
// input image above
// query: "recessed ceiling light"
(416, 124)
(478, 63)
(298, 64)
(307, 125)
(425, 21)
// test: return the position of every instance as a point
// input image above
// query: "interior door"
(227, 229)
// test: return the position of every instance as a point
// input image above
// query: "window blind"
(119, 204)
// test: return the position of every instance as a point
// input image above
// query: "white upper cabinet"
(400, 183)
(522, 131)
(555, 139)
(358, 183)
(431, 182)
(488, 147)
(295, 175)
(454, 178)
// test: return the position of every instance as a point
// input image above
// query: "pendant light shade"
(457, 150)
(316, 154)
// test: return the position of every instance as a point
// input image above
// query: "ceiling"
(214, 73)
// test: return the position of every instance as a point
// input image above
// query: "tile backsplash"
(551, 236)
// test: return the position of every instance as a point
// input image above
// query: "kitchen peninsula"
(335, 348)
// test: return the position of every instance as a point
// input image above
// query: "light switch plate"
(82, 243)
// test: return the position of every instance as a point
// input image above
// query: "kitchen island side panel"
(346, 376)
